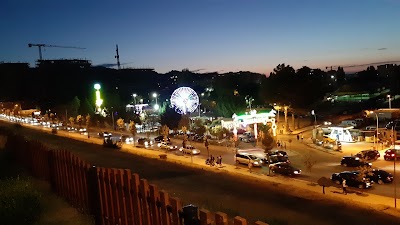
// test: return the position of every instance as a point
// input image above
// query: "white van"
(352, 123)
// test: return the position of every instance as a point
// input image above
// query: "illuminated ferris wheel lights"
(184, 100)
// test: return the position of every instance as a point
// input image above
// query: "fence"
(111, 196)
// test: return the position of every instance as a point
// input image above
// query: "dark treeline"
(52, 84)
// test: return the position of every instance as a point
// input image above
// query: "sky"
(204, 35)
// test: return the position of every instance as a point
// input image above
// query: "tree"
(133, 130)
(170, 118)
(86, 107)
(73, 106)
(266, 137)
(72, 121)
(309, 161)
(198, 127)
(121, 124)
(165, 132)
(324, 182)
(87, 119)
(184, 122)
(79, 120)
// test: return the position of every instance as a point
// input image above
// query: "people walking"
(344, 187)
(219, 160)
(298, 137)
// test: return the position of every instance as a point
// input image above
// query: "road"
(219, 191)
(326, 162)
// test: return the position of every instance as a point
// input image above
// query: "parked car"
(161, 138)
(352, 179)
(246, 158)
(188, 149)
(285, 169)
(353, 161)
(391, 154)
(276, 159)
(380, 176)
(167, 146)
(368, 155)
(277, 152)
(145, 143)
(112, 142)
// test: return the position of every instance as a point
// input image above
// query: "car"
(368, 154)
(104, 134)
(276, 159)
(160, 138)
(127, 139)
(248, 139)
(380, 176)
(353, 161)
(284, 168)
(392, 154)
(112, 142)
(352, 179)
(167, 146)
(188, 149)
(144, 143)
(246, 158)
(277, 152)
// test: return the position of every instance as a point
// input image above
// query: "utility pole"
(117, 57)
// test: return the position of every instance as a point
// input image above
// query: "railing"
(112, 196)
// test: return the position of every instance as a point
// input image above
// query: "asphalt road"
(221, 191)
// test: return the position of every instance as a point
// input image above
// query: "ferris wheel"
(184, 100)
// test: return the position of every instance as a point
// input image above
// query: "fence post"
(93, 194)
(221, 218)
(205, 217)
(239, 221)
(260, 223)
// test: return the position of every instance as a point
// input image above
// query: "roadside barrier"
(112, 196)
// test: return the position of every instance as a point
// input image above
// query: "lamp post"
(315, 117)
(390, 101)
(134, 98)
(156, 106)
(377, 129)
(249, 100)
(286, 121)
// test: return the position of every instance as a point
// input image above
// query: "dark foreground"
(219, 191)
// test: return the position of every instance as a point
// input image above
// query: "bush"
(19, 202)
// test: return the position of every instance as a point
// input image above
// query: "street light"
(134, 98)
(390, 101)
(377, 127)
(249, 100)
(315, 117)
(155, 96)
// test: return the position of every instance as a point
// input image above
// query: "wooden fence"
(111, 196)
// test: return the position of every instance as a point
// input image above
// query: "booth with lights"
(254, 118)
(341, 133)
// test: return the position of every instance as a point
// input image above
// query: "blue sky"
(213, 35)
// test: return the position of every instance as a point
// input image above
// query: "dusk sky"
(213, 35)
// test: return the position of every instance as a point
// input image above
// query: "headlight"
(296, 172)
(256, 163)
(370, 164)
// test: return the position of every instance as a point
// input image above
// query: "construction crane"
(117, 57)
(49, 46)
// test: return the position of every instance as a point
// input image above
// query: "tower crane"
(40, 46)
